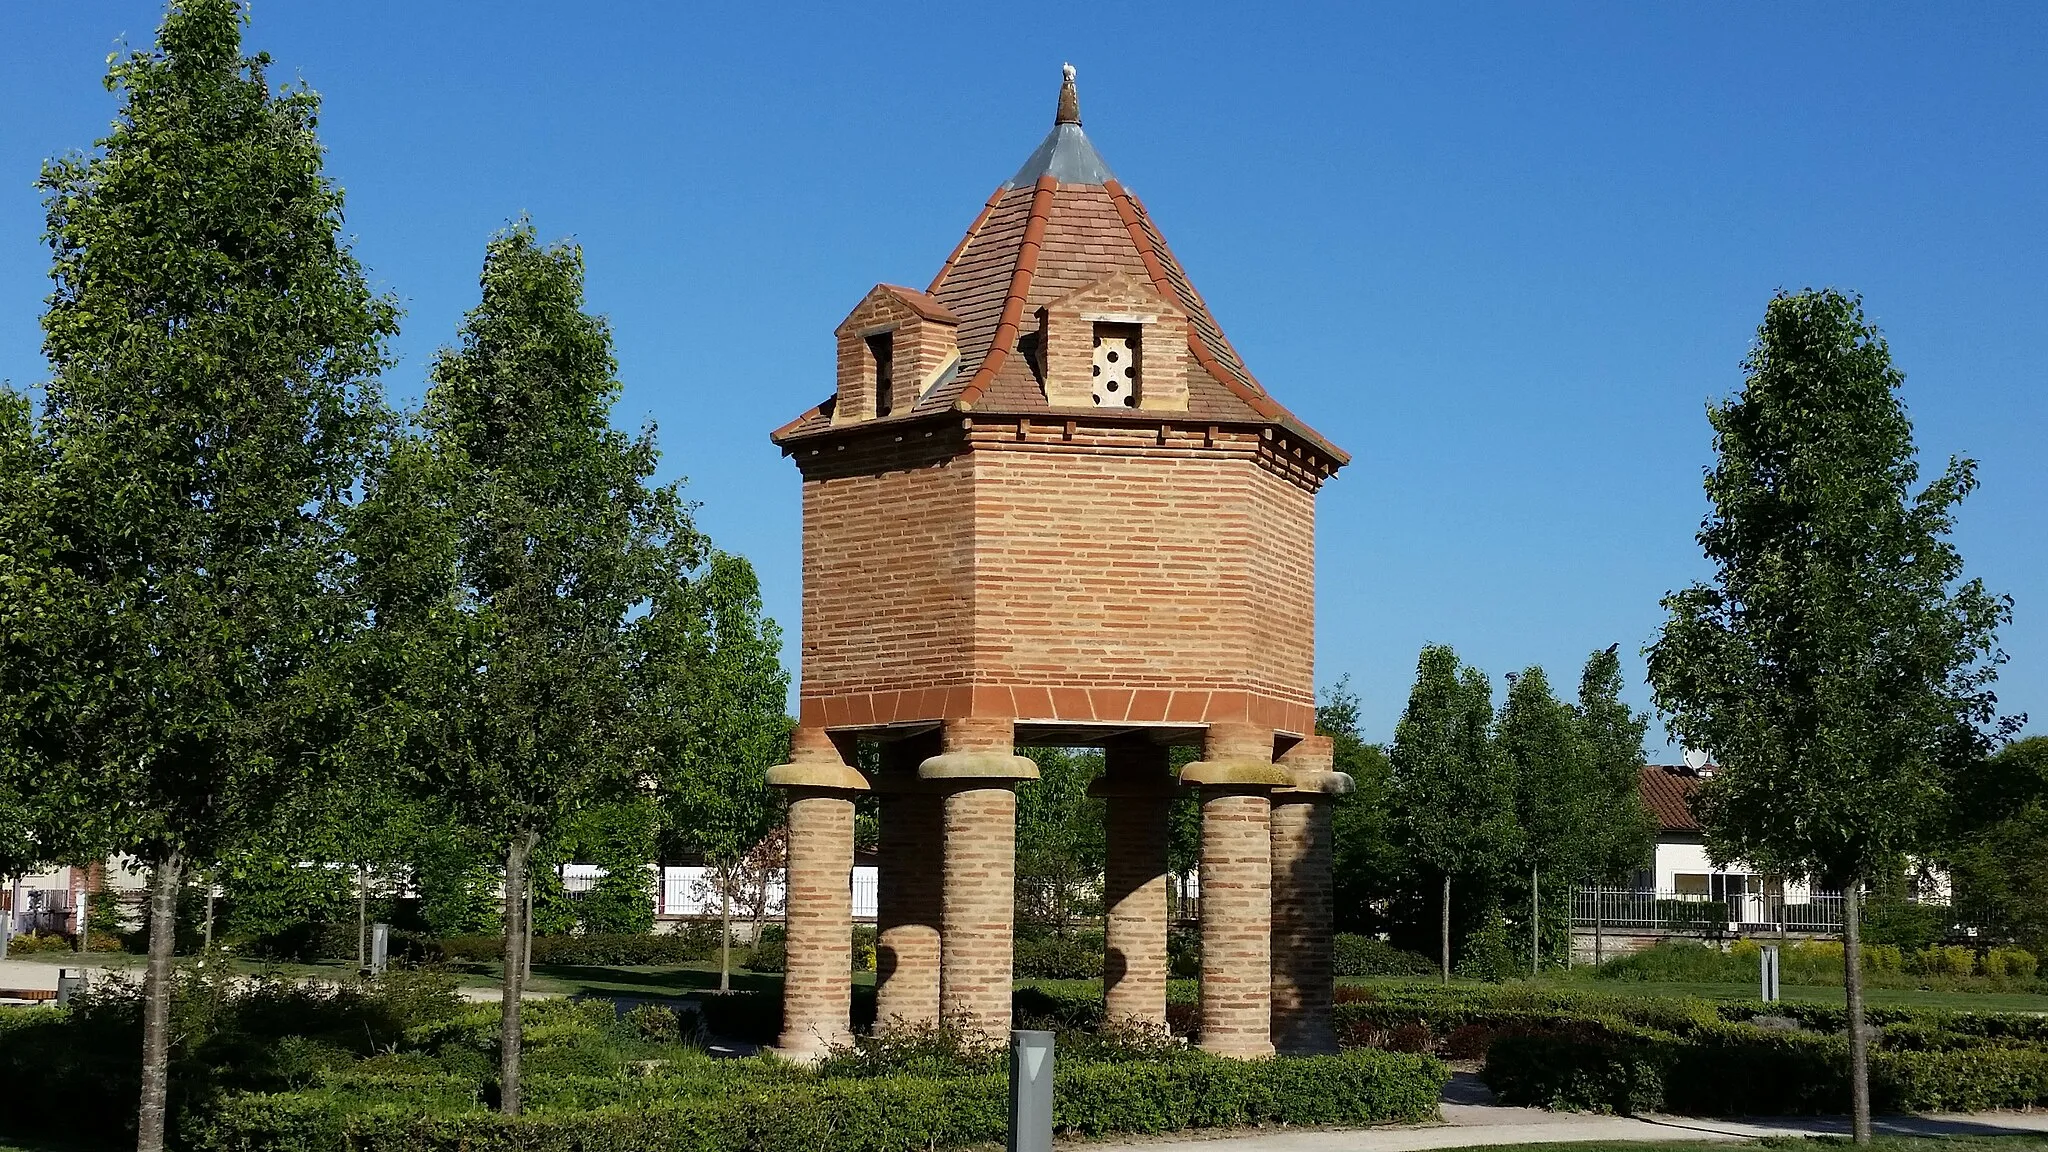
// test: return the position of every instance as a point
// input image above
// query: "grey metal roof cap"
(1066, 155)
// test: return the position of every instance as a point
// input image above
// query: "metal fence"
(41, 910)
(1694, 914)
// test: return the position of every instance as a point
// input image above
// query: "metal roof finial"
(1070, 101)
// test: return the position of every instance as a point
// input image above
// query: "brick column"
(817, 985)
(1137, 788)
(907, 911)
(1236, 775)
(1304, 977)
(978, 901)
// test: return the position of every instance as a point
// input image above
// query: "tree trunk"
(526, 935)
(1852, 982)
(1447, 927)
(156, 1003)
(508, 1007)
(206, 935)
(362, 916)
(725, 931)
(1535, 924)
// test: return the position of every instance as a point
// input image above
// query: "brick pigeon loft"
(1048, 504)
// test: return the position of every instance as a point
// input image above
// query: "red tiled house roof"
(1667, 793)
(1061, 224)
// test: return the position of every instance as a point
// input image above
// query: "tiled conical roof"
(1062, 223)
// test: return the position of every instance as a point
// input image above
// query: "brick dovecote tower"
(1048, 504)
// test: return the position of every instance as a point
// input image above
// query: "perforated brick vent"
(1116, 366)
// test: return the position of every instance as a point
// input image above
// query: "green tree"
(1998, 857)
(214, 349)
(1624, 837)
(1367, 863)
(618, 836)
(1558, 806)
(1061, 849)
(713, 695)
(520, 664)
(30, 606)
(1838, 665)
(1453, 799)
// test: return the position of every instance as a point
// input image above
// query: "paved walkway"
(1469, 1121)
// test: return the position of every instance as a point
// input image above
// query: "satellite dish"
(1696, 759)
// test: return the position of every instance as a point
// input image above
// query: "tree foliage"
(1839, 665)
(1624, 837)
(1367, 862)
(214, 349)
(527, 541)
(1061, 847)
(1453, 798)
(1999, 845)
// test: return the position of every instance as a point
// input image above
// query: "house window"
(1115, 383)
(882, 349)
(1689, 884)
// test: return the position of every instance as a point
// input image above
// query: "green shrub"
(769, 952)
(1688, 961)
(1944, 960)
(1358, 955)
(1730, 1069)
(2010, 963)
(1903, 924)
(1490, 955)
(757, 1106)
(1043, 957)
(32, 943)
(1883, 958)
(1183, 953)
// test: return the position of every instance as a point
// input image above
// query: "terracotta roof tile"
(1667, 793)
(1009, 265)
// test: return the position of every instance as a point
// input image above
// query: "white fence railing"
(1689, 913)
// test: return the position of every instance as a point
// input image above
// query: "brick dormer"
(893, 348)
(1117, 343)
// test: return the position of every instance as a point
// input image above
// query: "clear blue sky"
(1503, 254)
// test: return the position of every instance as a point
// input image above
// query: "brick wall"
(1236, 923)
(817, 989)
(1133, 563)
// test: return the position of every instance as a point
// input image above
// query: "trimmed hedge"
(1368, 956)
(880, 1114)
(1736, 1069)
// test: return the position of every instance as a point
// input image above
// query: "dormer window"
(1115, 380)
(882, 350)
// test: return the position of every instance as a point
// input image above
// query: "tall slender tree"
(1625, 837)
(1454, 803)
(31, 604)
(1558, 808)
(215, 351)
(1839, 665)
(1367, 861)
(556, 543)
(711, 699)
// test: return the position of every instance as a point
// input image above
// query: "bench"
(37, 994)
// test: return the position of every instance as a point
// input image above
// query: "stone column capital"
(817, 762)
(1236, 772)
